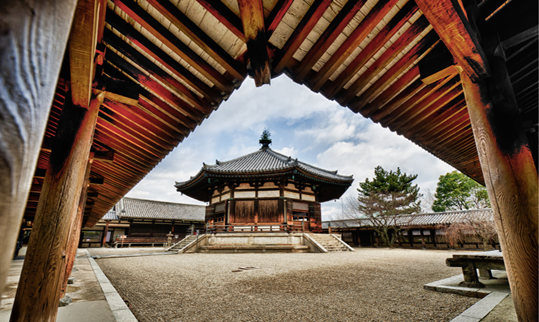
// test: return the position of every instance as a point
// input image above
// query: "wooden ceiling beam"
(225, 16)
(157, 30)
(191, 30)
(84, 37)
(212, 94)
(450, 88)
(137, 158)
(454, 133)
(154, 106)
(301, 32)
(394, 72)
(438, 119)
(157, 89)
(276, 15)
(450, 22)
(252, 17)
(331, 33)
(417, 98)
(392, 91)
(147, 121)
(127, 125)
(389, 30)
(104, 156)
(396, 102)
(384, 60)
(133, 129)
(375, 15)
(436, 130)
(201, 104)
(452, 98)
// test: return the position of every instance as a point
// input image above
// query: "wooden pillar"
(399, 237)
(411, 238)
(107, 230)
(423, 246)
(32, 45)
(76, 227)
(40, 283)
(433, 237)
(510, 177)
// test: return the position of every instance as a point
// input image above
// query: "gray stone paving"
(366, 285)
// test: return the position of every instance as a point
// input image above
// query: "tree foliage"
(386, 198)
(456, 191)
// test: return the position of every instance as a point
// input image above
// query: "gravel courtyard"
(366, 285)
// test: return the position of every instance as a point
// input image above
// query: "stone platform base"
(254, 249)
(254, 243)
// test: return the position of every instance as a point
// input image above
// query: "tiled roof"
(416, 220)
(110, 215)
(131, 208)
(266, 160)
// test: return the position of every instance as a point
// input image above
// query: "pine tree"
(387, 197)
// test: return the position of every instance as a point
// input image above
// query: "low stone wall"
(254, 242)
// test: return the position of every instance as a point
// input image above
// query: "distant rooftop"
(417, 220)
(132, 208)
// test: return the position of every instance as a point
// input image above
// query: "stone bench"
(470, 262)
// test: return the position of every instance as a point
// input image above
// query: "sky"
(304, 125)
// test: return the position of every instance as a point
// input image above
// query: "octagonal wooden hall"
(264, 191)
(95, 93)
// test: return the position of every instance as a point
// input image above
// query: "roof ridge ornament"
(265, 139)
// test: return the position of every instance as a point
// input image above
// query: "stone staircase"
(182, 243)
(331, 243)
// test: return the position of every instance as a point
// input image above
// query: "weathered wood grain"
(75, 227)
(33, 38)
(376, 14)
(327, 38)
(510, 177)
(252, 18)
(451, 24)
(301, 32)
(45, 263)
(82, 44)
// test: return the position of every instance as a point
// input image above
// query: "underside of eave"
(188, 57)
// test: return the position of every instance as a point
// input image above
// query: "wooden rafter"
(449, 98)
(376, 14)
(157, 30)
(252, 17)
(391, 92)
(276, 15)
(327, 38)
(225, 16)
(451, 24)
(136, 57)
(392, 27)
(211, 93)
(396, 70)
(395, 103)
(152, 85)
(410, 104)
(301, 32)
(185, 25)
(378, 66)
(156, 107)
(446, 109)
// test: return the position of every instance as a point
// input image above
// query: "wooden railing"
(256, 228)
